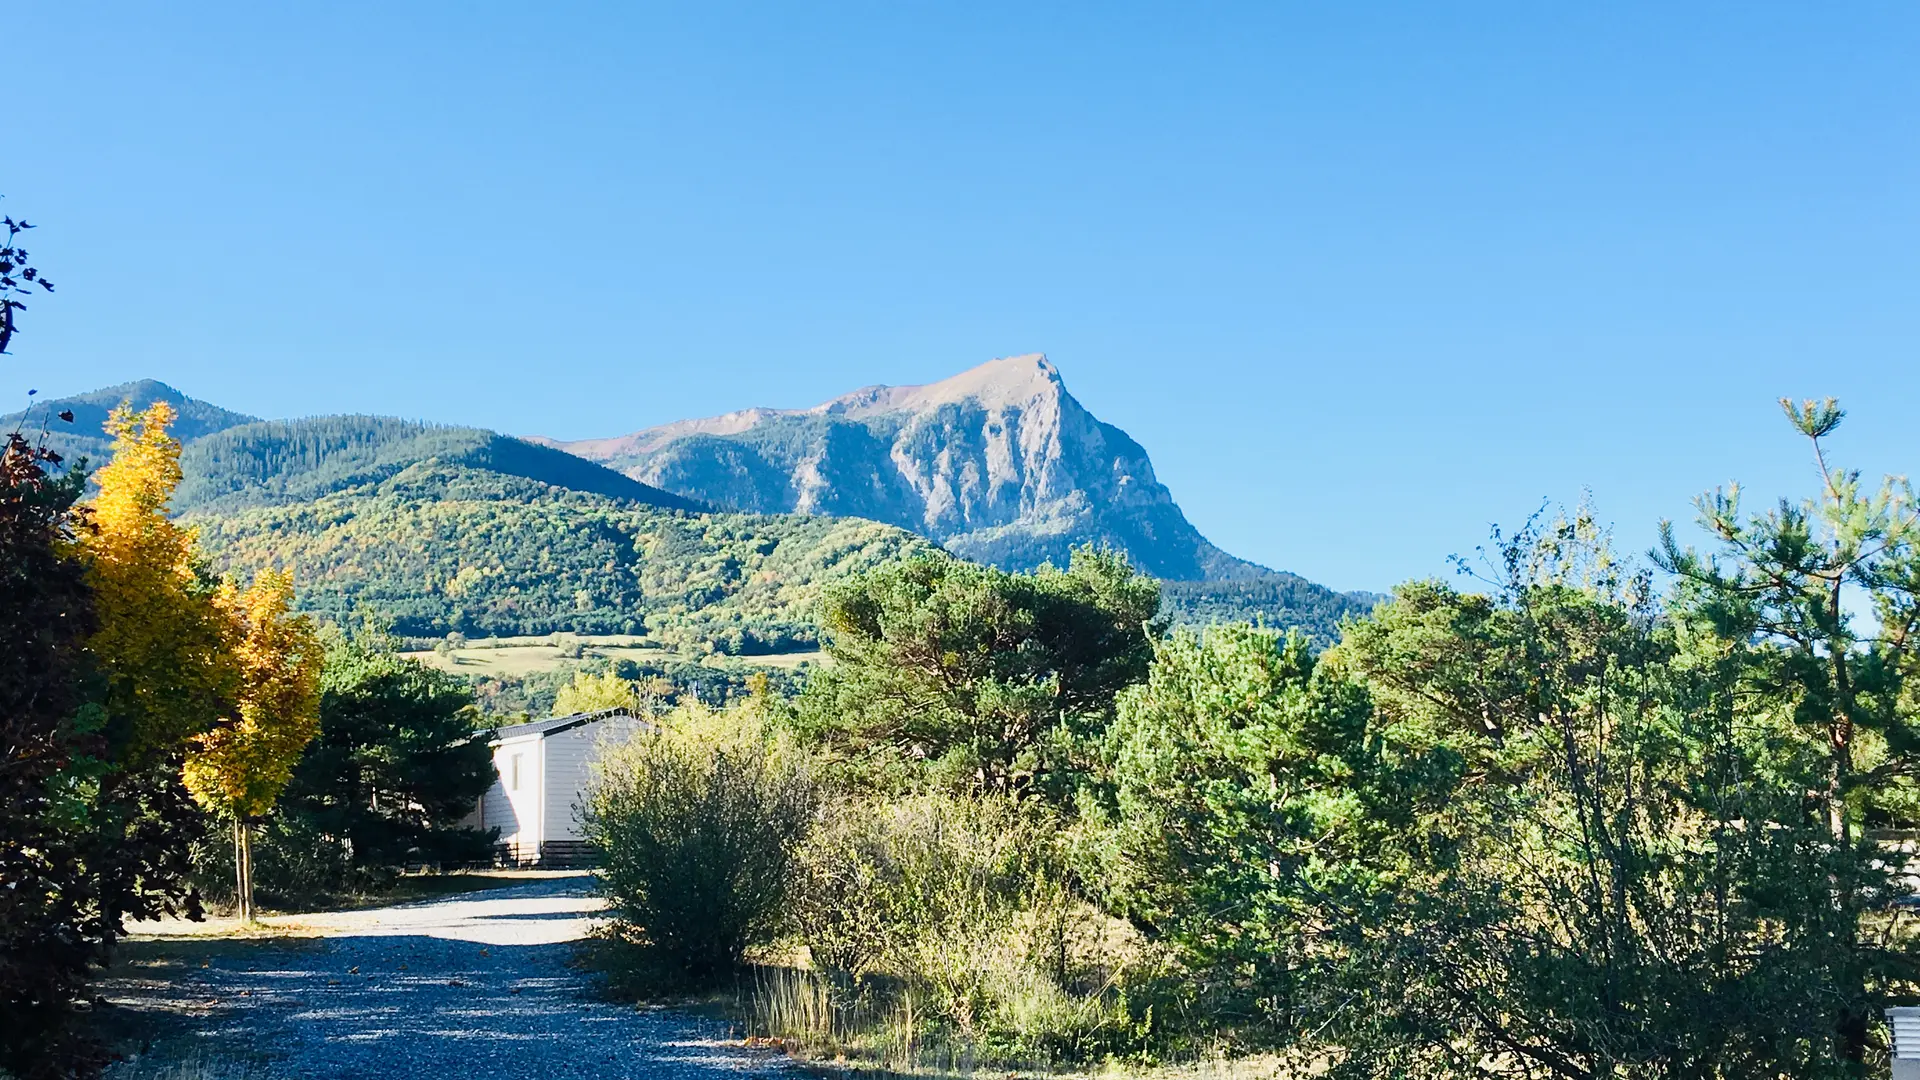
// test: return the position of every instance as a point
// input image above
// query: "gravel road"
(475, 987)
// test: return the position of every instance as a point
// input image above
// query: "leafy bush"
(294, 864)
(699, 835)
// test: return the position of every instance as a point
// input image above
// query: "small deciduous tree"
(239, 767)
(591, 693)
(162, 642)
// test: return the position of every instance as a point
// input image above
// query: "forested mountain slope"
(278, 461)
(1277, 600)
(999, 464)
(438, 547)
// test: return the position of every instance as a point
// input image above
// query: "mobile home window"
(513, 772)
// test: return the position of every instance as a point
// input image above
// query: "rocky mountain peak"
(999, 463)
(1007, 381)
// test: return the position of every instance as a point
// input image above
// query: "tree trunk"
(243, 869)
(1853, 1017)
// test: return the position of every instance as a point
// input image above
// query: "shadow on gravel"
(400, 1006)
(522, 916)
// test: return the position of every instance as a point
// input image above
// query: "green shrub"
(699, 837)
(958, 913)
(1241, 787)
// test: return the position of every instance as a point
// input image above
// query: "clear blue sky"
(1362, 278)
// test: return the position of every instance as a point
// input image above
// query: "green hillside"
(441, 547)
(271, 462)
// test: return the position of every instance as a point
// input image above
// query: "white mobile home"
(541, 773)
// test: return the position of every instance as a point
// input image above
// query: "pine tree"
(1831, 690)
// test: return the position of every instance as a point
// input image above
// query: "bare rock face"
(999, 464)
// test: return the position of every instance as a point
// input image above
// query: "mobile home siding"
(569, 759)
(515, 808)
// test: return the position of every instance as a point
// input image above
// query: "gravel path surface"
(471, 986)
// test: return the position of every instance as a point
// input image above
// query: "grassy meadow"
(518, 657)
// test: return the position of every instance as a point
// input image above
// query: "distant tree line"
(1276, 601)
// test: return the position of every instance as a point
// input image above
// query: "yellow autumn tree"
(162, 644)
(240, 766)
(163, 652)
(591, 693)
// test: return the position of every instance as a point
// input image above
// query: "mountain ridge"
(514, 534)
(999, 463)
(231, 461)
(85, 436)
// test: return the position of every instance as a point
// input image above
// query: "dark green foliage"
(1617, 886)
(395, 766)
(49, 914)
(532, 695)
(1830, 696)
(1277, 601)
(699, 843)
(438, 548)
(962, 675)
(1245, 795)
(271, 462)
(1548, 826)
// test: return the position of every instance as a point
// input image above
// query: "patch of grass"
(517, 657)
(833, 1030)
